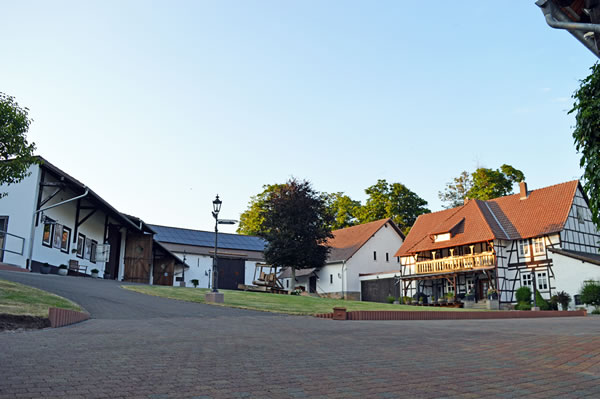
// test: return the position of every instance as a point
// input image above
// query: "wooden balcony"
(458, 263)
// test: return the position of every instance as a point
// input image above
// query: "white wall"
(570, 273)
(385, 240)
(201, 269)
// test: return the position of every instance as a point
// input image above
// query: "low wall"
(342, 314)
(60, 317)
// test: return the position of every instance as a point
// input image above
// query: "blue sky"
(158, 106)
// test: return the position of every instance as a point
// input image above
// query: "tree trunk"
(293, 283)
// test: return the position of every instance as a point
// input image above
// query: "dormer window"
(441, 237)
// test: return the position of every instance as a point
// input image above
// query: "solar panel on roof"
(207, 239)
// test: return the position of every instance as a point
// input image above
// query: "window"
(442, 237)
(3, 230)
(526, 279)
(577, 299)
(524, 247)
(287, 283)
(398, 260)
(469, 284)
(542, 281)
(387, 257)
(47, 236)
(449, 287)
(375, 256)
(57, 236)
(330, 278)
(93, 247)
(65, 240)
(80, 245)
(538, 246)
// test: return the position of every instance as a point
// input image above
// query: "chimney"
(466, 200)
(523, 187)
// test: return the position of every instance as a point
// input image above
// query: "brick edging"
(61, 317)
(341, 314)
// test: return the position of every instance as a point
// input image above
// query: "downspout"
(343, 291)
(32, 234)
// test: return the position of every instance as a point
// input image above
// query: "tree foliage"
(587, 136)
(16, 154)
(590, 294)
(344, 210)
(456, 191)
(394, 201)
(252, 219)
(296, 225)
(483, 184)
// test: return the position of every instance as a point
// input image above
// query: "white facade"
(342, 278)
(570, 274)
(201, 268)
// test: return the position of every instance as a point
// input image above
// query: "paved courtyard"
(143, 346)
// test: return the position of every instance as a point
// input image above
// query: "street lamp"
(216, 208)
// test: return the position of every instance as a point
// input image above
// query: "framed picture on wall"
(87, 251)
(93, 249)
(57, 238)
(47, 236)
(80, 245)
(65, 240)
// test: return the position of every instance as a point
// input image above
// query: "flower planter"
(94, 274)
(63, 271)
(44, 269)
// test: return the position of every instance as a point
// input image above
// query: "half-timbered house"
(542, 238)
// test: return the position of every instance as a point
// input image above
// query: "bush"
(195, 282)
(541, 302)
(563, 299)
(553, 302)
(596, 311)
(590, 294)
(523, 295)
(62, 266)
(406, 299)
(391, 299)
(523, 306)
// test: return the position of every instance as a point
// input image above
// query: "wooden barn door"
(138, 258)
(162, 273)
(231, 272)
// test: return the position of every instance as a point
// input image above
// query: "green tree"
(393, 201)
(455, 192)
(491, 183)
(252, 219)
(16, 154)
(590, 294)
(343, 208)
(587, 136)
(296, 225)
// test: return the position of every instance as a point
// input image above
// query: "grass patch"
(279, 303)
(17, 299)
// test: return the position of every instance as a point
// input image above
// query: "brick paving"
(158, 348)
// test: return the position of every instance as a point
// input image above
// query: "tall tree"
(455, 192)
(252, 219)
(491, 183)
(296, 226)
(393, 201)
(343, 208)
(587, 136)
(16, 154)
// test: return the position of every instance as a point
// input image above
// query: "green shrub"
(553, 302)
(541, 302)
(523, 295)
(391, 299)
(596, 311)
(523, 306)
(406, 299)
(563, 299)
(195, 282)
(590, 294)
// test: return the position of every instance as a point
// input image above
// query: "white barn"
(360, 249)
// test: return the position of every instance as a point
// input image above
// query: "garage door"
(231, 272)
(378, 290)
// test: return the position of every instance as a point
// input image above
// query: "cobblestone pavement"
(220, 352)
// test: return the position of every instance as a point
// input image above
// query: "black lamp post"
(216, 208)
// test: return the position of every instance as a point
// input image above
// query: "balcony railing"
(458, 263)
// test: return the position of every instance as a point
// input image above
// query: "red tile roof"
(347, 241)
(544, 211)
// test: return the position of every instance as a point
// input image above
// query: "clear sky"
(158, 106)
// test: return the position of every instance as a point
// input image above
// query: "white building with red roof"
(543, 238)
(356, 250)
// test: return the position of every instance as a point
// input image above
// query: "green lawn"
(279, 303)
(19, 299)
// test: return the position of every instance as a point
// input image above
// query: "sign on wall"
(102, 252)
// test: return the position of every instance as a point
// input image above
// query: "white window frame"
(539, 246)
(523, 245)
(542, 280)
(527, 279)
(469, 284)
(449, 287)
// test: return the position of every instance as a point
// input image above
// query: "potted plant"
(470, 296)
(63, 270)
(433, 300)
(420, 301)
(450, 297)
(94, 273)
(195, 282)
(492, 294)
(45, 268)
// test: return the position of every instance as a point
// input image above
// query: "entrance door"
(114, 240)
(162, 273)
(312, 284)
(484, 285)
(230, 273)
(138, 258)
